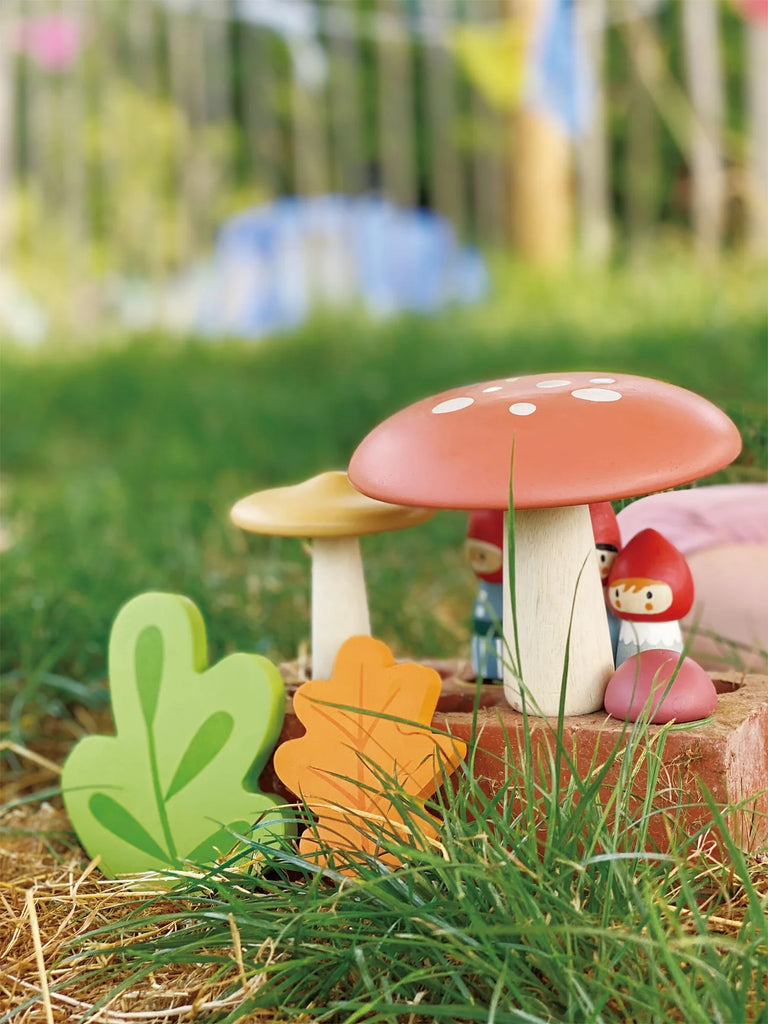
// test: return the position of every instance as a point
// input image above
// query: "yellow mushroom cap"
(326, 505)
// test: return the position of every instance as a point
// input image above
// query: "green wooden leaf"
(190, 742)
(121, 823)
(207, 742)
(221, 842)
(149, 670)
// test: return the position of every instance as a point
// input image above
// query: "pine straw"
(51, 896)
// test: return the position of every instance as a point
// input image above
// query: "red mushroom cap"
(648, 559)
(578, 438)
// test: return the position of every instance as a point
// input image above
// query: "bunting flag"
(541, 65)
(753, 10)
(494, 59)
(52, 41)
(558, 79)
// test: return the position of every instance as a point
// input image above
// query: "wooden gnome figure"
(484, 550)
(605, 527)
(650, 588)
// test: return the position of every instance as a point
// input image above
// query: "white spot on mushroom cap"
(522, 408)
(596, 394)
(496, 387)
(453, 404)
(602, 380)
(511, 379)
(553, 384)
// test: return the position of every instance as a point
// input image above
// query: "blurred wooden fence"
(130, 128)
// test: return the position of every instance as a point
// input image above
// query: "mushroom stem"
(551, 547)
(339, 600)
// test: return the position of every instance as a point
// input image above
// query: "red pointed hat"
(487, 524)
(605, 525)
(647, 559)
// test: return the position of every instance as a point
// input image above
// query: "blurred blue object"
(275, 263)
(559, 79)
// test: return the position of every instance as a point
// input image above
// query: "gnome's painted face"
(650, 580)
(485, 544)
(638, 598)
(606, 556)
(605, 528)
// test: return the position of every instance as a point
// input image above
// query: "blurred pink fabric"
(723, 533)
(701, 517)
(52, 41)
(753, 10)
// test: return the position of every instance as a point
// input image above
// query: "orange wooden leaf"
(339, 765)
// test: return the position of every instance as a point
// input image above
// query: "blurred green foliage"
(121, 461)
(133, 147)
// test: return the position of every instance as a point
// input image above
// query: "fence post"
(703, 72)
(757, 115)
(263, 143)
(542, 208)
(6, 131)
(446, 184)
(72, 114)
(350, 174)
(395, 100)
(642, 162)
(186, 84)
(143, 62)
(310, 139)
(592, 158)
(491, 159)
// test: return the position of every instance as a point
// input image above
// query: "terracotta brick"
(728, 756)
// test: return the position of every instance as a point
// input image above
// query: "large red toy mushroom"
(577, 438)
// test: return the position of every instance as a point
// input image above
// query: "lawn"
(119, 465)
(120, 462)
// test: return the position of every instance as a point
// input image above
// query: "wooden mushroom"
(577, 438)
(328, 511)
(662, 686)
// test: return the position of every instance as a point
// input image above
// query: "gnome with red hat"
(650, 589)
(605, 527)
(485, 552)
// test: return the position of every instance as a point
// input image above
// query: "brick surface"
(728, 755)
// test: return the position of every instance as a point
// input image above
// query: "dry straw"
(51, 897)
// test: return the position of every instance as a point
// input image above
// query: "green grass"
(119, 466)
(120, 462)
(542, 903)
